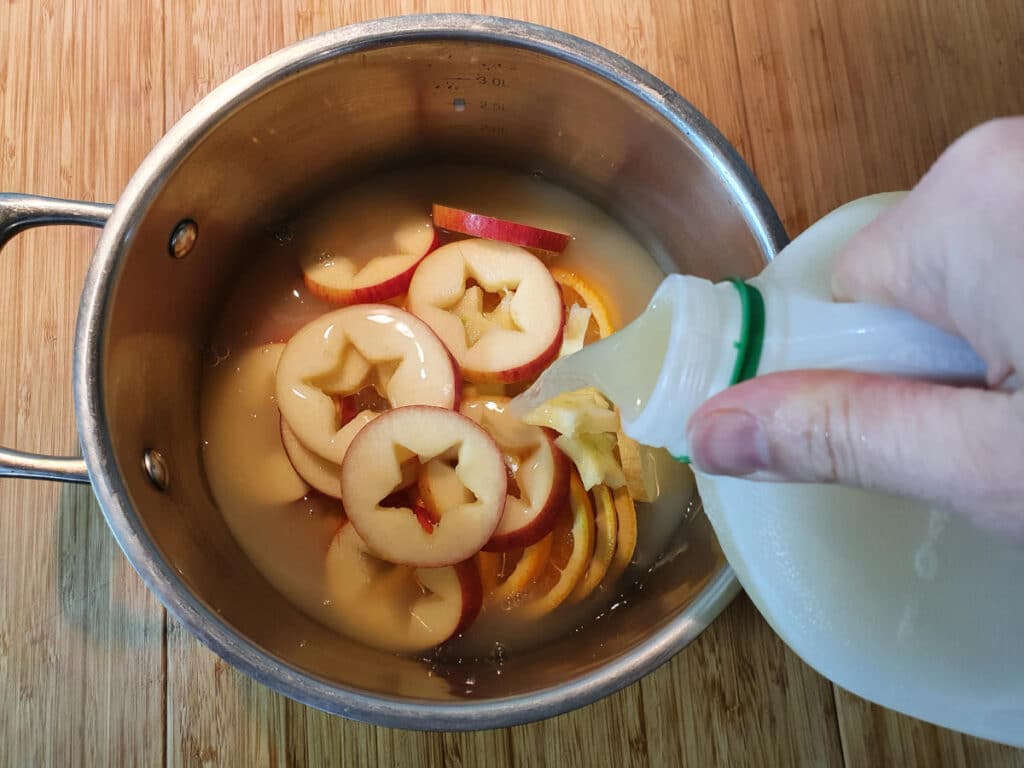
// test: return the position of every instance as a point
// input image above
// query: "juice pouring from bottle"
(697, 338)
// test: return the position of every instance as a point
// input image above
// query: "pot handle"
(18, 213)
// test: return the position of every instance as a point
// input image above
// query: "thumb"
(959, 448)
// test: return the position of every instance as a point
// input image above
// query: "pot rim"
(97, 449)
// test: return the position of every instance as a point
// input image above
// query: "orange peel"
(578, 290)
(572, 548)
(625, 510)
(505, 586)
(605, 544)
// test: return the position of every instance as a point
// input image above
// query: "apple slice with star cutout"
(453, 291)
(539, 474)
(373, 469)
(320, 473)
(340, 354)
(324, 475)
(397, 608)
(368, 250)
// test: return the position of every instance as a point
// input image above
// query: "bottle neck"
(750, 341)
(715, 340)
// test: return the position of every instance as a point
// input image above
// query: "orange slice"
(576, 290)
(572, 548)
(625, 511)
(507, 575)
(607, 524)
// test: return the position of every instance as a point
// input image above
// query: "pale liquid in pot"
(288, 540)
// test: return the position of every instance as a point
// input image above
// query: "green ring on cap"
(748, 346)
(751, 340)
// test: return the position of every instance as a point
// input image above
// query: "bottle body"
(902, 604)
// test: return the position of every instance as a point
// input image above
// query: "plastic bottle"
(904, 605)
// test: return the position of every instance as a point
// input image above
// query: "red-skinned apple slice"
(324, 475)
(344, 351)
(397, 607)
(491, 228)
(369, 250)
(514, 341)
(373, 468)
(540, 472)
(320, 473)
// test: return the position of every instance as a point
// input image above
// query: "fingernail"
(728, 442)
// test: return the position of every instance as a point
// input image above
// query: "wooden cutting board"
(826, 100)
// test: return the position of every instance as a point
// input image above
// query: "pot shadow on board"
(100, 595)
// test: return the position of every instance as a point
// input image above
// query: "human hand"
(951, 252)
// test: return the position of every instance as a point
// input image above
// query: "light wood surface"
(826, 100)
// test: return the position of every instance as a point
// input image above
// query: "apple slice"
(580, 412)
(588, 427)
(491, 228)
(320, 473)
(574, 337)
(440, 488)
(396, 607)
(341, 353)
(539, 474)
(638, 467)
(242, 447)
(594, 457)
(373, 469)
(513, 341)
(368, 251)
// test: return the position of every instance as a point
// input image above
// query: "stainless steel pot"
(310, 116)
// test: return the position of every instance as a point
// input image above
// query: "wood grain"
(827, 101)
(81, 640)
(740, 697)
(873, 735)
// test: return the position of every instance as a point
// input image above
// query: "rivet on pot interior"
(156, 467)
(183, 239)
